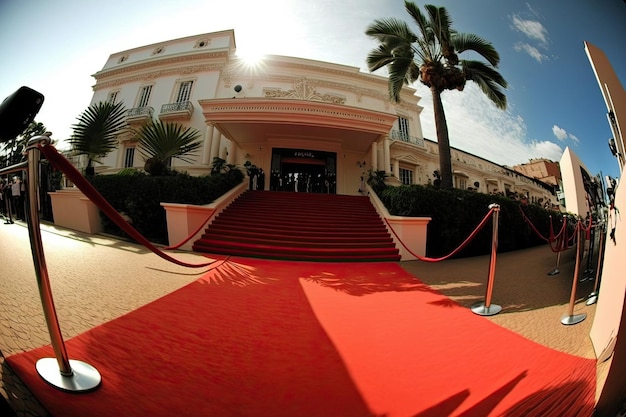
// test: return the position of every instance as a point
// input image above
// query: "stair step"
(300, 226)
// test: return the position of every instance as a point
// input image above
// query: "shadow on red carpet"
(256, 337)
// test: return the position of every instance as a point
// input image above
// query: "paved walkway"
(97, 278)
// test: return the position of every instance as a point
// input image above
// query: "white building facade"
(289, 116)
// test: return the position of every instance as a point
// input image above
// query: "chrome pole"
(486, 308)
(63, 373)
(560, 245)
(593, 297)
(570, 318)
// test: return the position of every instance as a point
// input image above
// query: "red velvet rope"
(454, 252)
(561, 238)
(61, 163)
(532, 226)
(185, 240)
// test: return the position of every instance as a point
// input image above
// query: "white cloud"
(531, 28)
(530, 50)
(560, 133)
(536, 36)
(476, 126)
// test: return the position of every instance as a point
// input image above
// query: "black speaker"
(17, 111)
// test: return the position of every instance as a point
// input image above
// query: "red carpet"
(265, 338)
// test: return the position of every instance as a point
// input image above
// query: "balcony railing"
(139, 114)
(182, 110)
(404, 137)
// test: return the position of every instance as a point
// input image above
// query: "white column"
(387, 157)
(374, 151)
(208, 139)
(416, 172)
(396, 169)
(215, 145)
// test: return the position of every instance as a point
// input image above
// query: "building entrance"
(303, 171)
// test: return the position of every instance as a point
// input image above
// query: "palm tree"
(159, 142)
(96, 132)
(433, 58)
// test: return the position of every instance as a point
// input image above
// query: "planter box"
(72, 210)
(187, 221)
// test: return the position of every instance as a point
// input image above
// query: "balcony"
(404, 137)
(176, 111)
(139, 115)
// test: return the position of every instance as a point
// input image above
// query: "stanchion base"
(575, 319)
(482, 310)
(84, 376)
(592, 299)
(554, 272)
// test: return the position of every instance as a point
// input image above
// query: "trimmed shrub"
(138, 197)
(456, 214)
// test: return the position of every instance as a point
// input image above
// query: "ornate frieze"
(304, 90)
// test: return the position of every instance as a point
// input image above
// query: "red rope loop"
(185, 240)
(561, 238)
(61, 163)
(537, 232)
(454, 252)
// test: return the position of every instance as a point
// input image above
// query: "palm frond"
(488, 79)
(470, 42)
(95, 134)
(162, 141)
(385, 30)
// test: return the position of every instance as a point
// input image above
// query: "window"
(461, 183)
(129, 157)
(406, 176)
(112, 97)
(184, 91)
(403, 127)
(144, 96)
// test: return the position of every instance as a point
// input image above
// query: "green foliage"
(12, 151)
(139, 197)
(160, 141)
(456, 214)
(95, 134)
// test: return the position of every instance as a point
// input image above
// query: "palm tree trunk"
(445, 160)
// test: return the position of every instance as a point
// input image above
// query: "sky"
(554, 101)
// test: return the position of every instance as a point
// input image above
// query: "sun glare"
(251, 58)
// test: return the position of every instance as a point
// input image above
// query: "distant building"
(316, 122)
(542, 169)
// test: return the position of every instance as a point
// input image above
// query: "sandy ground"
(91, 280)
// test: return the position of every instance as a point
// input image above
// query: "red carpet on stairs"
(300, 226)
(263, 338)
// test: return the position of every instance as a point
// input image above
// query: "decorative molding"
(161, 61)
(304, 90)
(156, 74)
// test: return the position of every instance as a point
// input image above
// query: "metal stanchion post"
(588, 272)
(61, 372)
(560, 244)
(486, 308)
(570, 318)
(558, 259)
(593, 297)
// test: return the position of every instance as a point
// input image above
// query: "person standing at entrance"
(261, 180)
(17, 195)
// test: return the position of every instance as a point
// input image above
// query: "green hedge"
(139, 197)
(456, 214)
